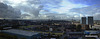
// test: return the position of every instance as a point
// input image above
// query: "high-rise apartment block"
(83, 20)
(87, 20)
(90, 20)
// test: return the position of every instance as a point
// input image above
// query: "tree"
(66, 37)
(78, 28)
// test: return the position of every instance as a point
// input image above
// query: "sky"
(49, 9)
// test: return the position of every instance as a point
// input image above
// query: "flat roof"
(75, 32)
(91, 35)
(20, 32)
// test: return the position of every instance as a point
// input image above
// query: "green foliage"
(66, 37)
(7, 36)
(2, 38)
(78, 28)
(23, 38)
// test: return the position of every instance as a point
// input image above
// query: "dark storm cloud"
(8, 12)
(32, 7)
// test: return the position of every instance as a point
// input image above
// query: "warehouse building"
(23, 34)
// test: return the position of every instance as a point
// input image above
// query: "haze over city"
(49, 9)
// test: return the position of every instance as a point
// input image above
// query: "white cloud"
(66, 6)
(97, 16)
(93, 10)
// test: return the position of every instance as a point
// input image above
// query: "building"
(92, 34)
(90, 20)
(23, 34)
(96, 27)
(73, 35)
(87, 21)
(83, 20)
(76, 35)
(85, 27)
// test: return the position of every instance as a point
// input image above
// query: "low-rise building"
(23, 34)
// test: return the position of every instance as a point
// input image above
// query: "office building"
(90, 20)
(83, 20)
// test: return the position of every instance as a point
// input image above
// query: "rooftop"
(21, 32)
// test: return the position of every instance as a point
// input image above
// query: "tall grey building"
(83, 20)
(90, 20)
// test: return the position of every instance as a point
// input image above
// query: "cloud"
(57, 16)
(8, 12)
(24, 16)
(64, 6)
(87, 2)
(32, 7)
(92, 10)
(52, 9)
(96, 16)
